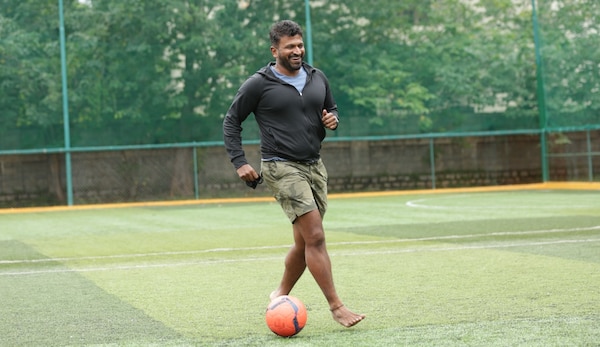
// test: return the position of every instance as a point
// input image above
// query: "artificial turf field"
(500, 266)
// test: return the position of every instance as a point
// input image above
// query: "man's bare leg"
(308, 231)
(295, 264)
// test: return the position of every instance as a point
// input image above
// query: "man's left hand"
(330, 121)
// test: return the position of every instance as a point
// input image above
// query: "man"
(293, 105)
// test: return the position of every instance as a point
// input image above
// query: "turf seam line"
(342, 243)
(333, 254)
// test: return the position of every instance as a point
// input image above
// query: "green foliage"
(164, 71)
(571, 69)
(29, 81)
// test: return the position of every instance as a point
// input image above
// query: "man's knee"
(315, 238)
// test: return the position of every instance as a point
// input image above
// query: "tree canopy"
(165, 71)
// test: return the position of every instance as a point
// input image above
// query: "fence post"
(65, 99)
(541, 91)
(195, 161)
(308, 32)
(589, 156)
(432, 161)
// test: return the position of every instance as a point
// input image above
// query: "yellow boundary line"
(520, 187)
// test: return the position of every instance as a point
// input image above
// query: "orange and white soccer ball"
(286, 315)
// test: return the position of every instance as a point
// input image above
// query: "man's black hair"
(284, 28)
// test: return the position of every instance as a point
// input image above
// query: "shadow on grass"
(45, 308)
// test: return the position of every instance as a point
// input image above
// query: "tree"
(165, 71)
(117, 72)
(30, 91)
(356, 45)
(570, 52)
(478, 59)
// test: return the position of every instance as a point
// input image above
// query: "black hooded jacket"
(289, 122)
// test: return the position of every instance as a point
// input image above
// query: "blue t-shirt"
(297, 81)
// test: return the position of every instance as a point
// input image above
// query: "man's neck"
(286, 72)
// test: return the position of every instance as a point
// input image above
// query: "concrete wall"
(146, 175)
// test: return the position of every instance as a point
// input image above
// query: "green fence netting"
(156, 71)
(152, 73)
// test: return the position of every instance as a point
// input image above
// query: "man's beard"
(288, 65)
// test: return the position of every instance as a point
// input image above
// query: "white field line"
(472, 247)
(271, 258)
(423, 203)
(141, 266)
(470, 236)
(351, 243)
(140, 255)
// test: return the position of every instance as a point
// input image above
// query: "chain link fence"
(502, 92)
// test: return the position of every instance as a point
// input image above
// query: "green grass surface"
(515, 268)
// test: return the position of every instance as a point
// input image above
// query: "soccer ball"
(286, 315)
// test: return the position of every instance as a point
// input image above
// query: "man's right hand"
(247, 173)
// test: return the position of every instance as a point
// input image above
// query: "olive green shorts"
(299, 188)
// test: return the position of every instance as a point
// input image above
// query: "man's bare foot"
(346, 317)
(275, 294)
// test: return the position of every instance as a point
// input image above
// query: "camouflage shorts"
(299, 188)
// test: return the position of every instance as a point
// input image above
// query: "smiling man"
(293, 106)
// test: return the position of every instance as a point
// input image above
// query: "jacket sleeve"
(329, 103)
(243, 104)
